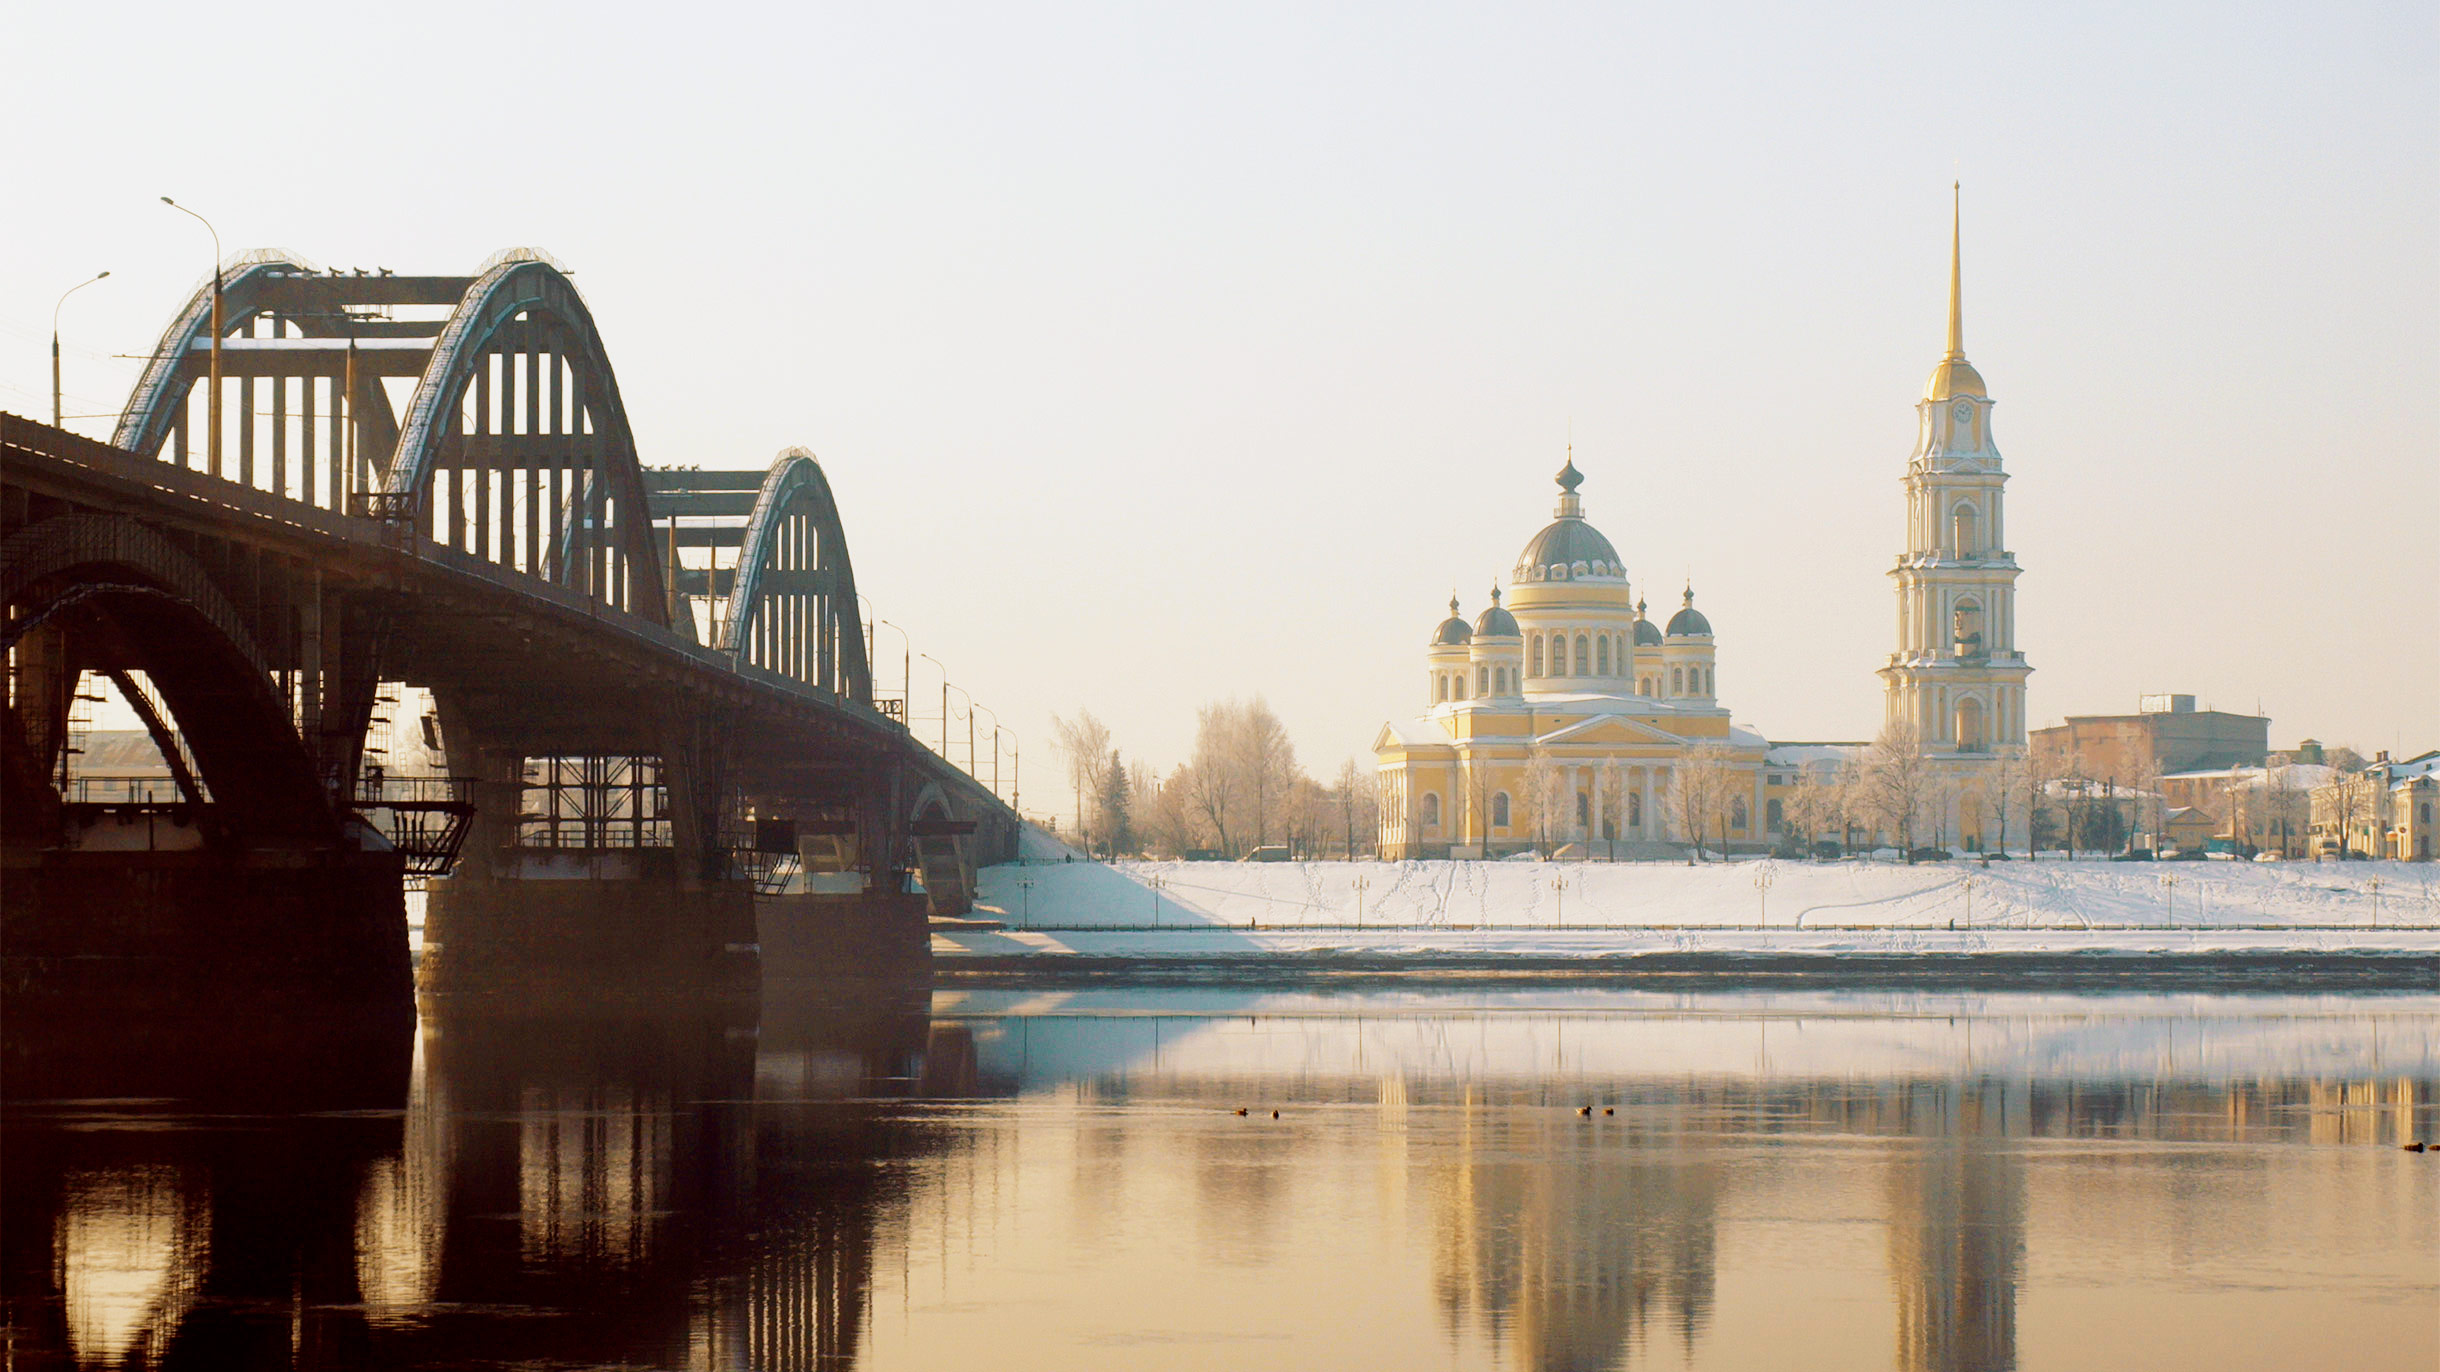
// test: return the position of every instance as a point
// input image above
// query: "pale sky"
(1158, 356)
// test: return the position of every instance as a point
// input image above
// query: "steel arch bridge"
(362, 480)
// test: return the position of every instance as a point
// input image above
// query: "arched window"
(1635, 808)
(1537, 654)
(1677, 681)
(1964, 536)
(1965, 628)
(1431, 809)
(1440, 687)
(1499, 811)
(1736, 812)
(1584, 657)
(1711, 684)
(1482, 681)
(1603, 667)
(1969, 725)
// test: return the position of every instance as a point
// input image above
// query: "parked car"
(2132, 855)
(1828, 850)
(1269, 852)
(1929, 855)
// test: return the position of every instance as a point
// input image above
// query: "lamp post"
(969, 695)
(1763, 877)
(1016, 771)
(212, 409)
(944, 702)
(63, 299)
(995, 740)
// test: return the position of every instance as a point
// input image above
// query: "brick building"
(2167, 734)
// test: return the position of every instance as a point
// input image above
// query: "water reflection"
(1551, 1180)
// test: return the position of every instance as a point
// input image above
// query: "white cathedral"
(1558, 718)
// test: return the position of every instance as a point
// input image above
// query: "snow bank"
(1563, 910)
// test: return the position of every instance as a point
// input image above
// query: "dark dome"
(1565, 542)
(1647, 634)
(1689, 620)
(1496, 622)
(1452, 632)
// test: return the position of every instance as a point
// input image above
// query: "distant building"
(2384, 810)
(2166, 735)
(2253, 808)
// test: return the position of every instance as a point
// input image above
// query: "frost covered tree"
(1897, 782)
(1701, 789)
(1084, 744)
(1541, 798)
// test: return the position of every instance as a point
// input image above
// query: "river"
(1538, 1175)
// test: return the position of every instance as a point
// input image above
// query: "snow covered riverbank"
(1436, 911)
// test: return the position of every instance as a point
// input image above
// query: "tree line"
(1242, 790)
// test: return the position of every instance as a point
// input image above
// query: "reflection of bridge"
(651, 685)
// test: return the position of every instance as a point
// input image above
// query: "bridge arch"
(793, 608)
(157, 407)
(115, 596)
(545, 406)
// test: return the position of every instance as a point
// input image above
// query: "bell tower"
(1957, 676)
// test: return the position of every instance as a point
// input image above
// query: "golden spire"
(1957, 310)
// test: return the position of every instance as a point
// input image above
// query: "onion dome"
(1496, 622)
(1689, 621)
(1647, 633)
(1568, 543)
(1452, 632)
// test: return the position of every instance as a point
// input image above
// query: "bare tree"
(1700, 787)
(1353, 794)
(2144, 779)
(1812, 803)
(1541, 798)
(1897, 779)
(1084, 743)
(2282, 805)
(1169, 827)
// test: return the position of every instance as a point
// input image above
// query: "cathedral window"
(1536, 650)
(1677, 681)
(1775, 815)
(1499, 811)
(1482, 681)
(1604, 667)
(1965, 538)
(1635, 808)
(1584, 809)
(1736, 812)
(1431, 809)
(1710, 686)
(1584, 657)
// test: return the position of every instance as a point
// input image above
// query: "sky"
(1159, 355)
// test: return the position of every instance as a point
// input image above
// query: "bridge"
(665, 762)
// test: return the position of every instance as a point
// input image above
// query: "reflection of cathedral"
(1957, 1234)
(1573, 1252)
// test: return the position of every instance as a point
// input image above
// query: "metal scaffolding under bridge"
(652, 676)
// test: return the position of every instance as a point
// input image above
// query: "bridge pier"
(204, 931)
(623, 925)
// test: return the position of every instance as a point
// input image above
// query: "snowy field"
(1570, 910)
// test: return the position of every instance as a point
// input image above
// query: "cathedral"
(1559, 714)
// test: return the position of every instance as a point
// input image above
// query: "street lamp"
(944, 702)
(212, 445)
(973, 705)
(969, 695)
(63, 299)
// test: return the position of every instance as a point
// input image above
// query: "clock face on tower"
(1964, 414)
